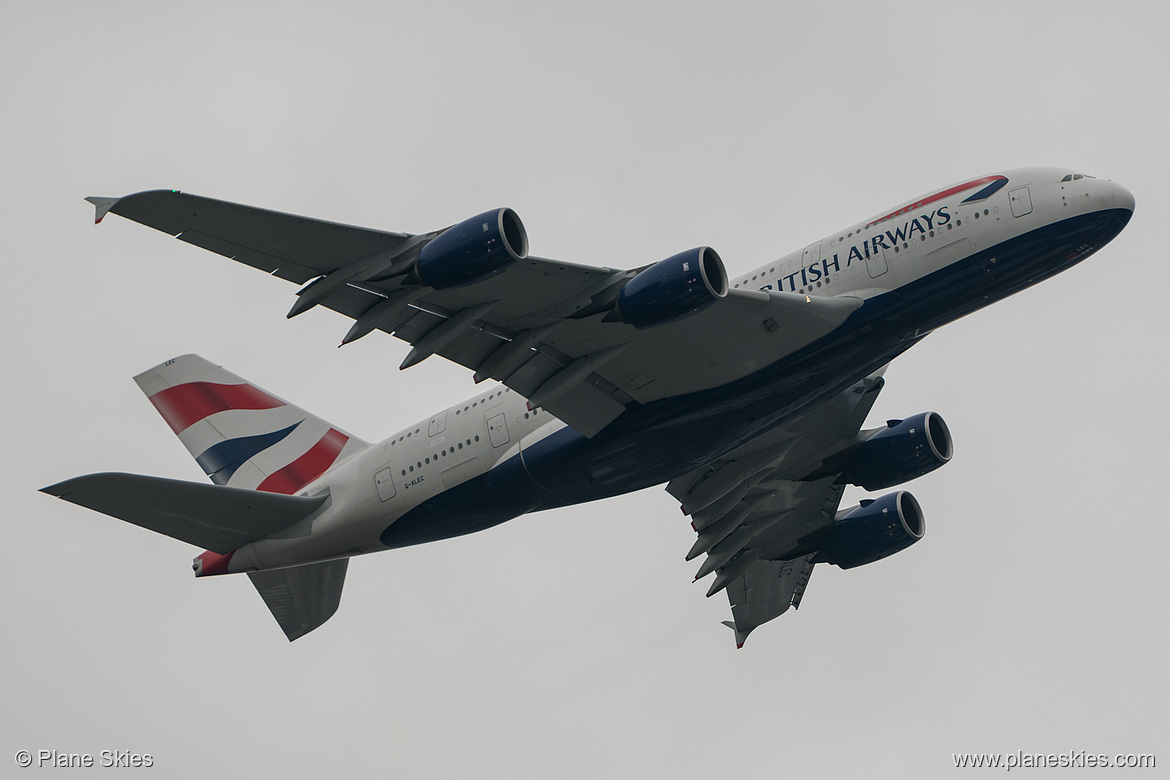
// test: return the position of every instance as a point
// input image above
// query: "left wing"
(757, 510)
(542, 327)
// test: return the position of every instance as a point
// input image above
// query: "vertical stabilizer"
(301, 598)
(241, 435)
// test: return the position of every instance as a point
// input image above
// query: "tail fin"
(239, 434)
(301, 598)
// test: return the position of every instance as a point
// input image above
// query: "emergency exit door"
(498, 430)
(1021, 200)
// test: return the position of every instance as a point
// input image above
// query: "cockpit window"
(1076, 176)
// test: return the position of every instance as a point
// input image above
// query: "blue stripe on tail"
(222, 460)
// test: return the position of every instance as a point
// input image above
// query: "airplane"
(747, 396)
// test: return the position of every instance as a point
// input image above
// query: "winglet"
(740, 636)
(102, 207)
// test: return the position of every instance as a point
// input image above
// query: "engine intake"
(874, 530)
(673, 288)
(474, 250)
(903, 451)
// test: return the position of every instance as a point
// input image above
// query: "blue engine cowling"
(873, 531)
(473, 250)
(903, 451)
(673, 288)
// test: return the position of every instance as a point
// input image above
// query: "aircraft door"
(498, 430)
(811, 256)
(1021, 200)
(438, 424)
(876, 262)
(384, 480)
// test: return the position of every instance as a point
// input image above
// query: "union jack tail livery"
(240, 435)
(261, 452)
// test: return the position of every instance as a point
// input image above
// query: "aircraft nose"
(1122, 197)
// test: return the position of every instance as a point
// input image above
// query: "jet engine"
(474, 250)
(673, 288)
(904, 450)
(874, 530)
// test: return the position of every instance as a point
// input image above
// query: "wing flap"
(301, 598)
(214, 517)
(590, 408)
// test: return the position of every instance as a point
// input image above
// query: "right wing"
(301, 598)
(756, 510)
(540, 327)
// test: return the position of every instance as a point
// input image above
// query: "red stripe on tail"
(184, 405)
(308, 467)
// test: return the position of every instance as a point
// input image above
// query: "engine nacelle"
(673, 288)
(905, 450)
(873, 531)
(474, 250)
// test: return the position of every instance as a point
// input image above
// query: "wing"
(301, 598)
(757, 510)
(540, 327)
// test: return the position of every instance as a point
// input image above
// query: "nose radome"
(1122, 197)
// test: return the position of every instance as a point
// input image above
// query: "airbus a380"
(746, 396)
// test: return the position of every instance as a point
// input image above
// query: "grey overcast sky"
(572, 643)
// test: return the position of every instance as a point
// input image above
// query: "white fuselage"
(369, 491)
(905, 244)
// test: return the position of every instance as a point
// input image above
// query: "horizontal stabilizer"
(214, 517)
(301, 598)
